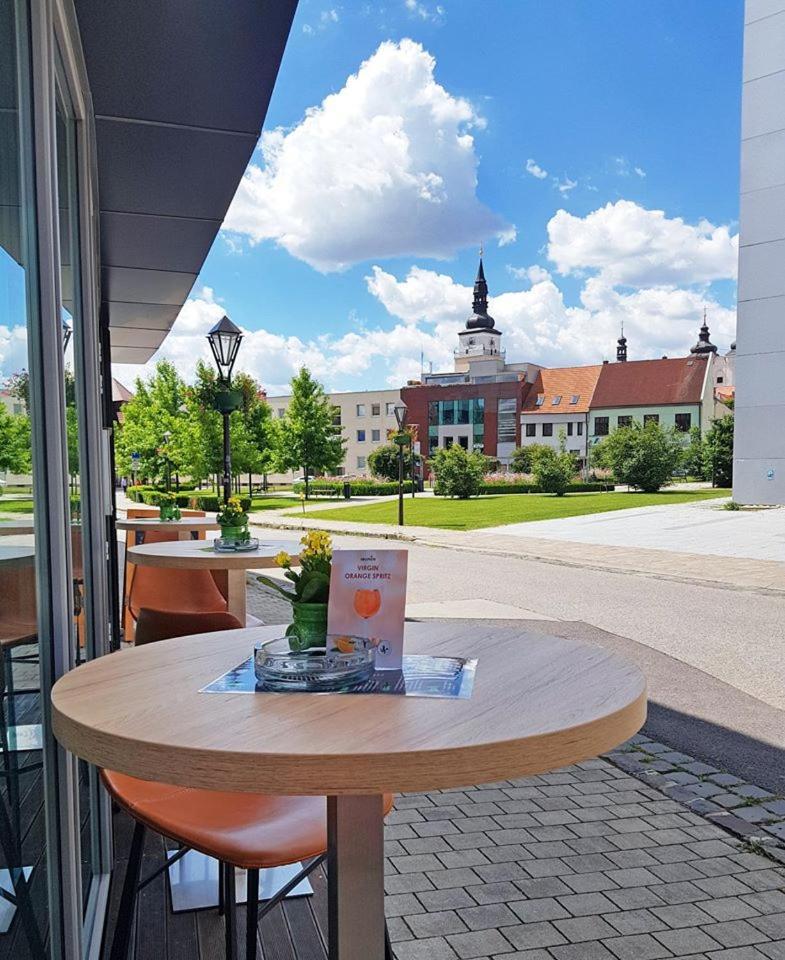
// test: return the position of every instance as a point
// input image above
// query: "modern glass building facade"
(87, 277)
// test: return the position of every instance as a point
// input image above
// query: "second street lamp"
(224, 340)
(401, 439)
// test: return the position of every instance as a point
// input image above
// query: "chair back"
(154, 625)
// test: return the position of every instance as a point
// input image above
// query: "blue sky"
(627, 115)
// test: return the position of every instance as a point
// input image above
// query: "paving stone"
(578, 929)
(589, 882)
(755, 814)
(774, 950)
(682, 915)
(737, 953)
(531, 935)
(453, 898)
(584, 904)
(479, 943)
(686, 940)
(421, 845)
(701, 769)
(735, 933)
(726, 779)
(533, 911)
(637, 947)
(629, 922)
(402, 904)
(722, 887)
(433, 948)
(406, 882)
(728, 800)
(679, 892)
(633, 877)
(488, 915)
(436, 924)
(767, 901)
(398, 929)
(776, 830)
(777, 807)
(582, 951)
(751, 791)
(635, 898)
(728, 908)
(416, 864)
(772, 925)
(769, 879)
(676, 872)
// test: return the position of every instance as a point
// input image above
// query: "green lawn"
(280, 503)
(16, 506)
(492, 511)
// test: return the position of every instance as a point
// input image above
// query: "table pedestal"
(355, 877)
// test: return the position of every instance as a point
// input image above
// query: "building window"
(361, 436)
(556, 400)
(336, 416)
(506, 422)
(448, 441)
(281, 413)
(376, 435)
(570, 428)
(433, 444)
(531, 429)
(650, 418)
(683, 422)
(463, 411)
(580, 428)
(547, 429)
(390, 409)
(361, 463)
(540, 400)
(464, 442)
(376, 409)
(448, 412)
(360, 409)
(625, 421)
(433, 413)
(720, 379)
(601, 426)
(574, 398)
(338, 472)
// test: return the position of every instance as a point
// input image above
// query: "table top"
(196, 554)
(16, 556)
(539, 703)
(155, 523)
(10, 528)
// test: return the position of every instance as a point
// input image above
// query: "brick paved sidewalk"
(583, 864)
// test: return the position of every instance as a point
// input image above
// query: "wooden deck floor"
(296, 930)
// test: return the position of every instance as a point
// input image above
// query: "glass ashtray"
(340, 662)
(229, 545)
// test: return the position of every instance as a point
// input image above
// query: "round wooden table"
(539, 703)
(184, 528)
(198, 555)
(18, 527)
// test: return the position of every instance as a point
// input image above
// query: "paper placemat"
(449, 678)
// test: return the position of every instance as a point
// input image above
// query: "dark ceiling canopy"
(180, 91)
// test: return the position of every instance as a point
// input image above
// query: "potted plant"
(233, 521)
(167, 506)
(311, 590)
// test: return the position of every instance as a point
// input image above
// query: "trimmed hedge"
(212, 503)
(359, 488)
(534, 488)
(150, 495)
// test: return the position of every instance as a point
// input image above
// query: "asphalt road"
(713, 657)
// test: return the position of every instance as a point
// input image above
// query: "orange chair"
(185, 591)
(240, 830)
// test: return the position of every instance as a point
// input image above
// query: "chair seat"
(247, 830)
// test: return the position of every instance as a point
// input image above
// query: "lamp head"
(224, 340)
(400, 411)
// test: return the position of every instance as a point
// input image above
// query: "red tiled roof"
(564, 382)
(647, 383)
(120, 394)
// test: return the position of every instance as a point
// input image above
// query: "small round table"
(184, 528)
(539, 703)
(198, 555)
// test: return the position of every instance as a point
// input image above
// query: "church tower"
(704, 344)
(479, 343)
(621, 347)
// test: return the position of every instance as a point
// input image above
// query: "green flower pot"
(308, 627)
(234, 533)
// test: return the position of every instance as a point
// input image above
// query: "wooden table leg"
(235, 594)
(355, 877)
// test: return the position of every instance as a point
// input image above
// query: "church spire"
(704, 344)
(480, 303)
(621, 347)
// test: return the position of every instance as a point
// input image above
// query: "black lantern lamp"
(224, 340)
(67, 332)
(401, 440)
(166, 437)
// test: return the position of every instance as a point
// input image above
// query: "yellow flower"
(283, 559)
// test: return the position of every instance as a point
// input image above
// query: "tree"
(522, 460)
(554, 469)
(308, 439)
(718, 449)
(644, 457)
(14, 441)
(458, 472)
(383, 462)
(157, 408)
(694, 456)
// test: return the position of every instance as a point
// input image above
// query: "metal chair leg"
(230, 912)
(125, 915)
(252, 901)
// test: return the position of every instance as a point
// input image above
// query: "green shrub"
(554, 470)
(498, 486)
(359, 488)
(640, 456)
(458, 472)
(212, 502)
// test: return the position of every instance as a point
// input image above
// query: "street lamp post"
(224, 340)
(401, 440)
(167, 436)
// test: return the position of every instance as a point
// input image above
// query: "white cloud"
(628, 244)
(639, 171)
(565, 186)
(384, 167)
(329, 16)
(433, 14)
(535, 169)
(533, 274)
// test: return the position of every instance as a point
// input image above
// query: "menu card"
(368, 599)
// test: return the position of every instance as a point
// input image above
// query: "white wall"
(759, 469)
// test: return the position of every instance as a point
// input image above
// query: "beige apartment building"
(366, 418)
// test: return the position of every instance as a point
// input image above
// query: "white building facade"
(759, 455)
